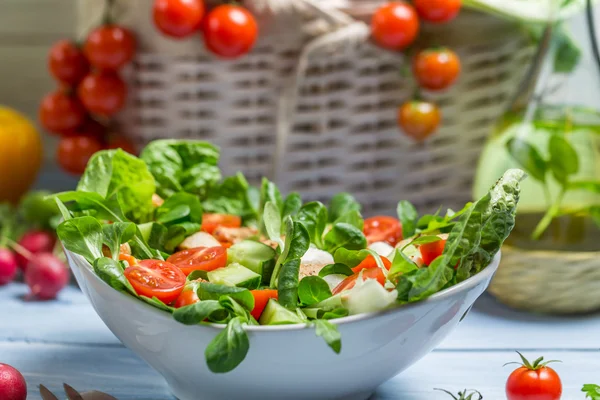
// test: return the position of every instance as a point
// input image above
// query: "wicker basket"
(313, 107)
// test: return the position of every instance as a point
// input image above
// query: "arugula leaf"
(591, 391)
(312, 290)
(346, 236)
(116, 172)
(352, 217)
(408, 216)
(563, 158)
(313, 216)
(116, 234)
(182, 166)
(528, 157)
(401, 265)
(423, 282)
(232, 196)
(329, 333)
(423, 240)
(83, 236)
(111, 272)
(181, 207)
(341, 204)
(212, 291)
(291, 204)
(287, 284)
(195, 313)
(229, 348)
(351, 258)
(337, 268)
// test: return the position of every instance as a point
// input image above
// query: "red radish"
(46, 275)
(35, 242)
(12, 384)
(8, 266)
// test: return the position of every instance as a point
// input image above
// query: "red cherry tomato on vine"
(67, 63)
(74, 152)
(230, 31)
(419, 119)
(178, 18)
(437, 11)
(395, 25)
(60, 112)
(152, 278)
(89, 128)
(103, 93)
(533, 382)
(383, 229)
(109, 47)
(436, 69)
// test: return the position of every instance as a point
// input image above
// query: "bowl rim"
(465, 285)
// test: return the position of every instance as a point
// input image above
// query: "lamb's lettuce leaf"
(313, 216)
(232, 196)
(341, 204)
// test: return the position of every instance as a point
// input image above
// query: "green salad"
(167, 229)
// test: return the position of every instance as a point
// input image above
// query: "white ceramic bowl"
(284, 361)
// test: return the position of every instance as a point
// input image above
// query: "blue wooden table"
(65, 341)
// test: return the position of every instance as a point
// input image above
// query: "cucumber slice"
(276, 314)
(235, 275)
(255, 256)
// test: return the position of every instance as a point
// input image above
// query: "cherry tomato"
(210, 222)
(437, 11)
(419, 119)
(60, 112)
(370, 262)
(74, 152)
(178, 18)
(155, 278)
(436, 69)
(90, 128)
(383, 229)
(230, 31)
(109, 47)
(103, 93)
(261, 298)
(131, 260)
(119, 142)
(349, 282)
(431, 251)
(67, 63)
(187, 297)
(199, 258)
(395, 25)
(533, 382)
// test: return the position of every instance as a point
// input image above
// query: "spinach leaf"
(329, 333)
(400, 265)
(313, 289)
(528, 157)
(423, 282)
(291, 204)
(287, 285)
(83, 236)
(177, 234)
(563, 158)
(181, 207)
(300, 242)
(212, 291)
(229, 348)
(182, 166)
(195, 313)
(341, 204)
(116, 172)
(407, 213)
(313, 216)
(337, 268)
(351, 258)
(116, 234)
(232, 196)
(272, 222)
(353, 218)
(111, 272)
(346, 236)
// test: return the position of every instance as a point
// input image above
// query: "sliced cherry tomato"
(370, 262)
(436, 69)
(67, 63)
(60, 112)
(533, 382)
(349, 282)
(395, 25)
(210, 222)
(131, 260)
(226, 244)
(109, 47)
(261, 298)
(431, 251)
(437, 11)
(230, 31)
(73, 153)
(103, 93)
(199, 258)
(383, 229)
(178, 18)
(419, 119)
(188, 296)
(155, 278)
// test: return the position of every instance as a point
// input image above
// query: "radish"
(8, 266)
(35, 242)
(46, 276)
(12, 384)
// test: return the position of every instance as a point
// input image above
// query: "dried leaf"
(95, 395)
(47, 394)
(72, 394)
